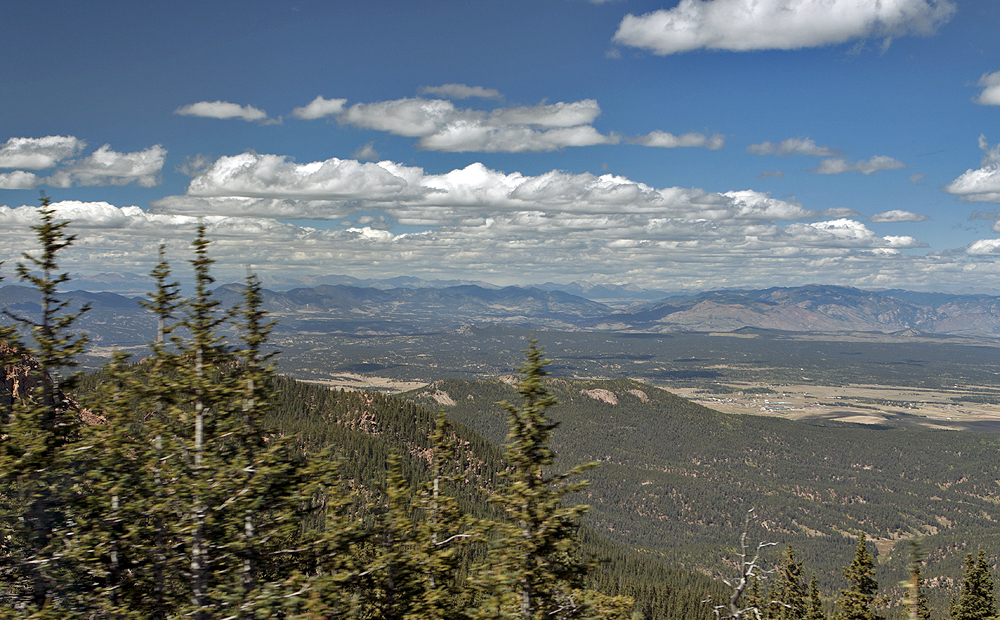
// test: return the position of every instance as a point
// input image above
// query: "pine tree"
(789, 592)
(536, 564)
(34, 462)
(442, 533)
(858, 601)
(754, 600)
(916, 599)
(977, 600)
(815, 611)
(161, 399)
(194, 520)
(112, 506)
(258, 513)
(392, 582)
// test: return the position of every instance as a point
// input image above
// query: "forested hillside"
(677, 478)
(366, 430)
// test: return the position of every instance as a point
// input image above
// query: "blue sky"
(682, 146)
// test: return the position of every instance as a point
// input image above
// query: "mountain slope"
(677, 478)
(367, 428)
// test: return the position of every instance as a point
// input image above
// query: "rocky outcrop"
(20, 378)
(601, 394)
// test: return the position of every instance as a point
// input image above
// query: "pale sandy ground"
(804, 401)
(351, 381)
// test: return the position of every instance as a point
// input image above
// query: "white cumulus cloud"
(18, 179)
(897, 215)
(108, 167)
(864, 166)
(38, 153)
(410, 117)
(984, 247)
(441, 126)
(222, 110)
(793, 146)
(549, 115)
(477, 136)
(272, 186)
(991, 89)
(319, 108)
(251, 175)
(845, 233)
(461, 91)
(742, 25)
(982, 184)
(666, 140)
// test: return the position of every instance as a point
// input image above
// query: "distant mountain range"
(350, 309)
(817, 308)
(130, 284)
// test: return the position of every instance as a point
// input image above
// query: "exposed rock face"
(20, 379)
(640, 395)
(601, 394)
(443, 398)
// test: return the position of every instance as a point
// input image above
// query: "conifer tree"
(161, 399)
(114, 498)
(815, 611)
(442, 532)
(322, 564)
(858, 601)
(258, 510)
(916, 599)
(208, 391)
(536, 564)
(754, 600)
(34, 461)
(789, 592)
(977, 600)
(391, 583)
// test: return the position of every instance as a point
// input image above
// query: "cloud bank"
(744, 25)
(739, 246)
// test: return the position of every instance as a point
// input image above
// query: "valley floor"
(941, 409)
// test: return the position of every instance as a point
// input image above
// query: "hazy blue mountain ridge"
(341, 308)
